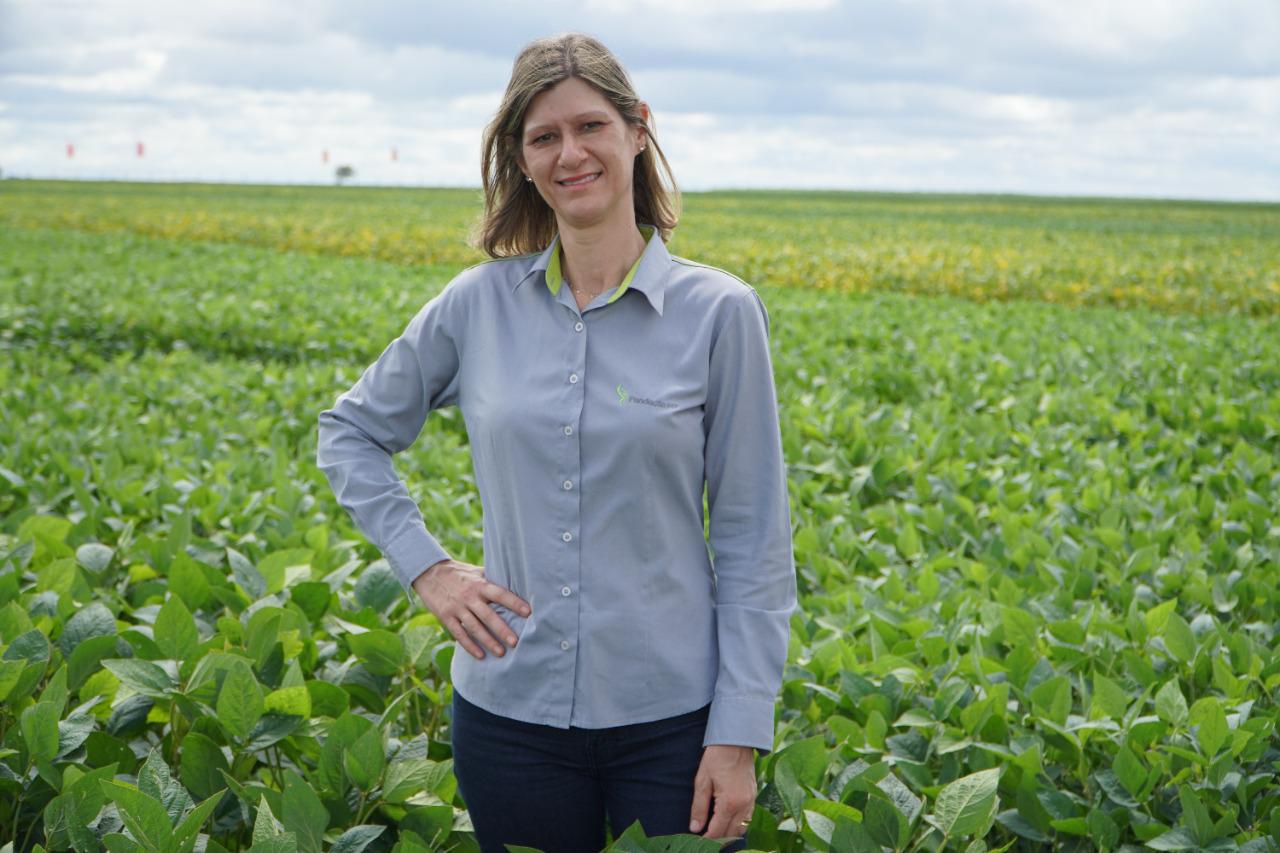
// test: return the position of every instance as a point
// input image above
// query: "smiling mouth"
(577, 182)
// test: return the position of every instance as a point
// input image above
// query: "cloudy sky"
(1173, 98)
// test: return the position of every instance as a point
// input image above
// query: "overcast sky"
(1179, 98)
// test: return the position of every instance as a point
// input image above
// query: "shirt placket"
(567, 487)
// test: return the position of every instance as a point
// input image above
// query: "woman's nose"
(570, 151)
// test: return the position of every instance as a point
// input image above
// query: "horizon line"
(864, 191)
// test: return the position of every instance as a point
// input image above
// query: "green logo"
(622, 394)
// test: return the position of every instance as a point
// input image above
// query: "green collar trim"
(554, 276)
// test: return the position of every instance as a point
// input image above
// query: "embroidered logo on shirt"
(624, 397)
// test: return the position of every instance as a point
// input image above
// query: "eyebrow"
(590, 114)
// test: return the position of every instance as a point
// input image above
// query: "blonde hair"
(516, 219)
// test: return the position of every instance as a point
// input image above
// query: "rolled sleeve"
(381, 415)
(750, 529)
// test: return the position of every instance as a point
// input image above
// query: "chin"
(583, 213)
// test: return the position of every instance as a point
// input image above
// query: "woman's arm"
(381, 415)
(750, 528)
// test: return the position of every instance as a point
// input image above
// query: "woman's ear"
(642, 135)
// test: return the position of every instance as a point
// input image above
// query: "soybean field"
(1033, 448)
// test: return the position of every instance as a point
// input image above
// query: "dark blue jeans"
(551, 788)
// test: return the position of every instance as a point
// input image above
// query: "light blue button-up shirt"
(592, 433)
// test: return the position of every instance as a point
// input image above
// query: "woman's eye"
(543, 138)
(592, 125)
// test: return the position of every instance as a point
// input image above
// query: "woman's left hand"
(727, 774)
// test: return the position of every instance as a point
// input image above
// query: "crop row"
(1195, 257)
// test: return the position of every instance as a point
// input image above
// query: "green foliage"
(1037, 546)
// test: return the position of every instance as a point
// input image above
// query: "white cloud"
(1150, 97)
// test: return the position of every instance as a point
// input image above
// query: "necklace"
(586, 293)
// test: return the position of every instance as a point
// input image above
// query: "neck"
(598, 257)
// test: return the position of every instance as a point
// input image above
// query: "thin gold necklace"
(583, 292)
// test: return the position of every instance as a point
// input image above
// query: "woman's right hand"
(459, 596)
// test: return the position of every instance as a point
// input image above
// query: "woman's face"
(580, 153)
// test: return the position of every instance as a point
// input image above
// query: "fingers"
(459, 597)
(460, 633)
(701, 801)
(729, 820)
(507, 599)
(473, 631)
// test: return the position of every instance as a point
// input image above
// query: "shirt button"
(567, 536)
(568, 484)
(577, 327)
(564, 644)
(573, 377)
(568, 430)
(564, 590)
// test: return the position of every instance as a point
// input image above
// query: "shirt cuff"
(412, 553)
(740, 721)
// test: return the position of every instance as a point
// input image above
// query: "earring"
(529, 179)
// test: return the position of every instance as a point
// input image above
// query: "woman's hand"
(459, 596)
(727, 774)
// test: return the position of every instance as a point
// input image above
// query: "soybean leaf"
(270, 729)
(1170, 704)
(378, 586)
(292, 701)
(382, 652)
(265, 825)
(32, 650)
(240, 702)
(364, 759)
(184, 837)
(143, 676)
(73, 732)
(175, 630)
(282, 569)
(784, 776)
(40, 730)
(92, 620)
(415, 775)
(1129, 770)
(852, 837)
(94, 557)
(356, 838)
(250, 580)
(1179, 838)
(884, 823)
(1195, 816)
(963, 806)
(1109, 699)
(302, 813)
(200, 762)
(155, 780)
(1102, 829)
(1210, 723)
(143, 816)
(1178, 638)
(86, 659)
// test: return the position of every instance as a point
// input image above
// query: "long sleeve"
(382, 414)
(750, 529)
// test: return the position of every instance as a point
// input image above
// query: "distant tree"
(343, 172)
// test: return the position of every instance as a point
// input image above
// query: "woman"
(603, 383)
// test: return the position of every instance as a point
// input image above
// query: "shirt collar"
(647, 275)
